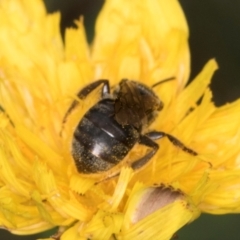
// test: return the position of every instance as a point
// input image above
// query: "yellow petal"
(39, 78)
(156, 213)
(141, 40)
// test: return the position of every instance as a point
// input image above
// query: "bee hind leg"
(145, 140)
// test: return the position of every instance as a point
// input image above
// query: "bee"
(110, 129)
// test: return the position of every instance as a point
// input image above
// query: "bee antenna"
(163, 81)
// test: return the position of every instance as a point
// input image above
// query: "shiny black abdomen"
(99, 141)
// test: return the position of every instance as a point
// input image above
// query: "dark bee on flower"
(109, 130)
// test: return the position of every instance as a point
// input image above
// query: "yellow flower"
(40, 187)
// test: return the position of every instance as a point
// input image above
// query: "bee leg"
(157, 135)
(145, 140)
(163, 81)
(5, 113)
(83, 93)
(89, 88)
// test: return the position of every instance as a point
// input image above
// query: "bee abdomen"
(99, 142)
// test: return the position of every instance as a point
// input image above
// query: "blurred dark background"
(214, 33)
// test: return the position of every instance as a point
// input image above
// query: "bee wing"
(129, 106)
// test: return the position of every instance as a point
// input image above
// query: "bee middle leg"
(83, 93)
(148, 140)
(154, 135)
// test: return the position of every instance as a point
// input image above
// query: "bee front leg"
(89, 88)
(83, 93)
